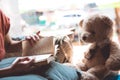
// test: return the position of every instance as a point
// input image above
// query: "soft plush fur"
(103, 56)
(64, 51)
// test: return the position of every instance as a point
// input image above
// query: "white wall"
(10, 8)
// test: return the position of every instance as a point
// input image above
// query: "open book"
(39, 59)
(44, 46)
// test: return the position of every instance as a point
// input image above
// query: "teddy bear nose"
(84, 38)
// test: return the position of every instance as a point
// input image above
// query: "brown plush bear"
(103, 56)
(64, 49)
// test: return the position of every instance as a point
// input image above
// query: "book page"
(39, 58)
(43, 59)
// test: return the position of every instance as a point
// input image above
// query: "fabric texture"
(58, 71)
(112, 77)
(2, 50)
(4, 28)
(52, 71)
(6, 62)
(25, 77)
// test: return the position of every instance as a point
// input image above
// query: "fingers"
(38, 33)
(23, 64)
(18, 60)
(31, 62)
(33, 38)
(24, 60)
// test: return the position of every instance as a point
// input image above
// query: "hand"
(34, 38)
(22, 65)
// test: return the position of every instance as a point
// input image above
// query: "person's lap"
(52, 71)
(24, 77)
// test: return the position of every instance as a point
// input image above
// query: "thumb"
(38, 33)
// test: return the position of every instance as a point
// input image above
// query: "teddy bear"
(64, 50)
(102, 58)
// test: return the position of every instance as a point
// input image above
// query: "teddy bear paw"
(82, 67)
(88, 76)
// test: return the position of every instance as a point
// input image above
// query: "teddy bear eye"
(93, 32)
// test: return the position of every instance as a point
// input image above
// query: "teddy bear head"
(96, 28)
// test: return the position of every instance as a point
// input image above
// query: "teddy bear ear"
(81, 23)
(107, 21)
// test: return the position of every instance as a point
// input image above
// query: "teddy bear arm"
(99, 71)
(113, 62)
(88, 76)
(82, 66)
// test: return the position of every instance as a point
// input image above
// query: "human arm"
(16, 46)
(19, 66)
(12, 46)
(32, 38)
